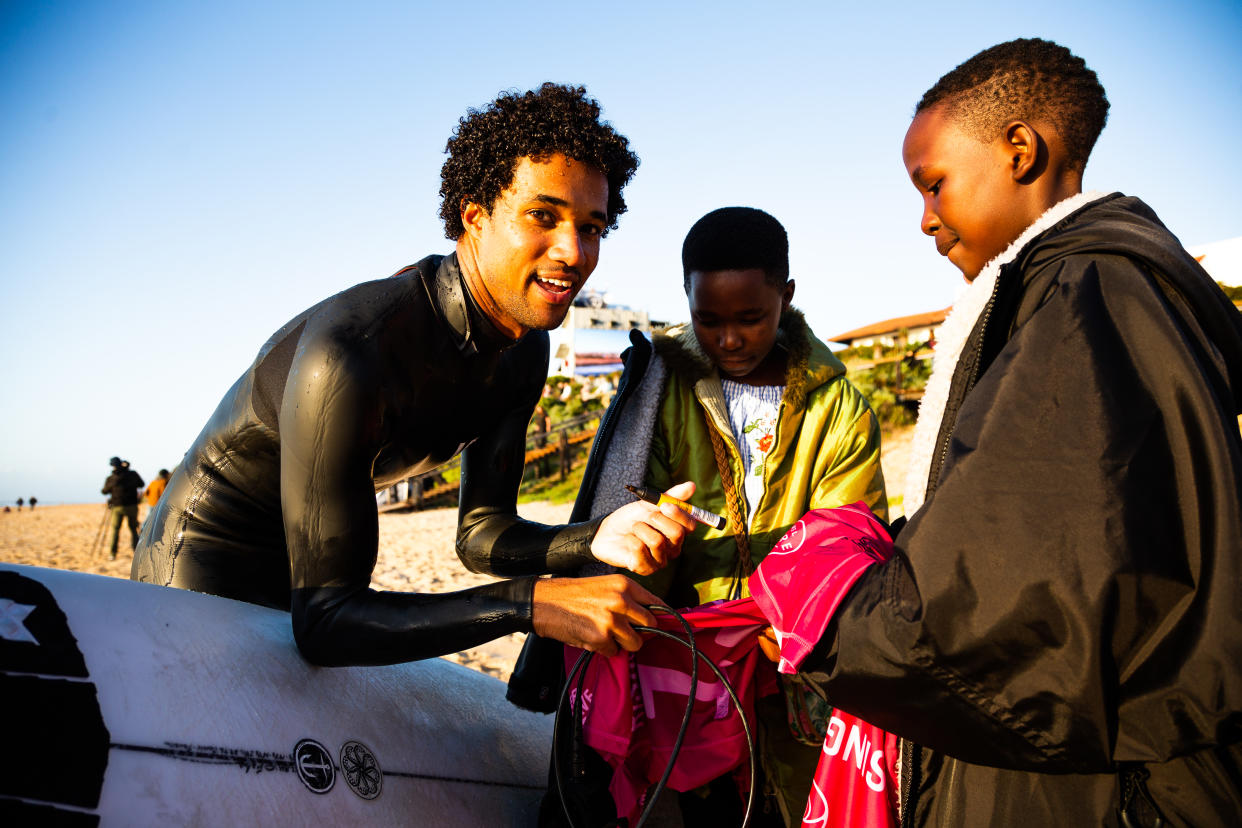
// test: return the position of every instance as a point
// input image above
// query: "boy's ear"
(1023, 145)
(787, 295)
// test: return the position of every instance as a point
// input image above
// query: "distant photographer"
(122, 488)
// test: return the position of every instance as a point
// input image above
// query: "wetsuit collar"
(472, 331)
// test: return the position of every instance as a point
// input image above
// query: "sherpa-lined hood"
(1089, 222)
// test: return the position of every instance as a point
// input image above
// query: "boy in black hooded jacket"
(1058, 637)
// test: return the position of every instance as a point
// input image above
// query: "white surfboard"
(132, 704)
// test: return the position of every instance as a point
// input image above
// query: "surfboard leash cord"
(578, 743)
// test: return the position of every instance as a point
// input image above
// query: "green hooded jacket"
(826, 453)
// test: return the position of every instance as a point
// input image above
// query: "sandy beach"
(415, 549)
(415, 555)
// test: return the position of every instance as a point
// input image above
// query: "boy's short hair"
(736, 238)
(487, 144)
(1023, 80)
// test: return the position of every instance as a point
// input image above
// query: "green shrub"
(879, 384)
(1233, 292)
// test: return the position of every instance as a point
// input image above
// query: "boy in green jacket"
(746, 402)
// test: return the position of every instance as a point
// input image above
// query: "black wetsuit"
(275, 502)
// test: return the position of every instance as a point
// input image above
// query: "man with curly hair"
(275, 501)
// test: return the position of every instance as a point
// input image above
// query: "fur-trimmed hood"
(810, 363)
(951, 340)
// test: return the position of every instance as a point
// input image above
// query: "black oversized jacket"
(1061, 625)
(122, 487)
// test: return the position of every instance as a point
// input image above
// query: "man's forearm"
(507, 546)
(335, 627)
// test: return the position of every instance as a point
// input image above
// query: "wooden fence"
(904, 393)
(546, 454)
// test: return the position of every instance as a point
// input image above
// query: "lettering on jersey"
(792, 540)
(816, 812)
(867, 761)
(587, 697)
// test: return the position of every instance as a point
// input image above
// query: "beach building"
(902, 331)
(595, 332)
(891, 354)
(1222, 260)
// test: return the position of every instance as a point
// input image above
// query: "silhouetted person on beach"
(122, 487)
(33, 501)
(20, 503)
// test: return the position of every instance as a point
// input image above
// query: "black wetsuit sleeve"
(491, 537)
(330, 422)
(347, 626)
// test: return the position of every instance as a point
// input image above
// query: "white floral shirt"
(753, 412)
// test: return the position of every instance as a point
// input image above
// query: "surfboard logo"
(13, 621)
(361, 769)
(54, 732)
(314, 766)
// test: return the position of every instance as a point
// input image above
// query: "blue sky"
(178, 179)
